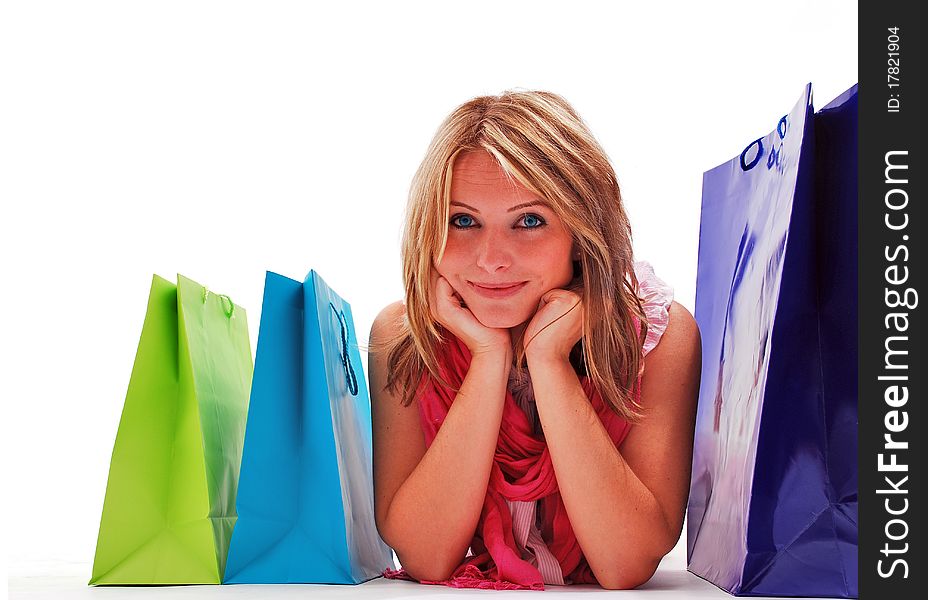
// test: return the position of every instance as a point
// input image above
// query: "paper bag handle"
(350, 377)
(222, 300)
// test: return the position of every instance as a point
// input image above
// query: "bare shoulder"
(388, 321)
(680, 344)
(670, 384)
(386, 326)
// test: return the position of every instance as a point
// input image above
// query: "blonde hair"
(538, 139)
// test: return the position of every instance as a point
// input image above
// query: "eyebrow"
(514, 208)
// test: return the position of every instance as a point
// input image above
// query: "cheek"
(553, 261)
(452, 266)
(451, 261)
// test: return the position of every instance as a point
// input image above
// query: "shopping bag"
(169, 508)
(305, 501)
(773, 498)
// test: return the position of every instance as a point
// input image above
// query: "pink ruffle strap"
(656, 298)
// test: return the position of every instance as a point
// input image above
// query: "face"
(506, 247)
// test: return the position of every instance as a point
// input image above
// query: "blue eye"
(462, 221)
(532, 221)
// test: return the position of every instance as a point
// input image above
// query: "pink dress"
(656, 298)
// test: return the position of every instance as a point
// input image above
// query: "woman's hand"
(446, 309)
(556, 327)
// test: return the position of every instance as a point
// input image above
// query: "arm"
(428, 502)
(626, 507)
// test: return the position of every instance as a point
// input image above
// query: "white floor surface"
(40, 581)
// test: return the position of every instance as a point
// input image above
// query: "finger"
(434, 296)
(450, 294)
(456, 297)
(445, 301)
(434, 276)
(444, 290)
(548, 297)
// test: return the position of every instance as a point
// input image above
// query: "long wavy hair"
(540, 140)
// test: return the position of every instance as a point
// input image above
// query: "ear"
(577, 268)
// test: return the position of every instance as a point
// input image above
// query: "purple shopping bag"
(773, 498)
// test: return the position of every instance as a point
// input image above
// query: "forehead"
(477, 179)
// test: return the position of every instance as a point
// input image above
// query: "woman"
(512, 412)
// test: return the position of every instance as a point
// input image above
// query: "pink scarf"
(522, 470)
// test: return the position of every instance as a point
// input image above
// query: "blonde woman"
(519, 439)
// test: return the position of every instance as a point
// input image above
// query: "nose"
(493, 254)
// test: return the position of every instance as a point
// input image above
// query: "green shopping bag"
(170, 497)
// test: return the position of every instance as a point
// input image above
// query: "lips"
(497, 290)
(497, 286)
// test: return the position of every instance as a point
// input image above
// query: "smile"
(497, 291)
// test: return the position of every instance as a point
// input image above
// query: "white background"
(224, 139)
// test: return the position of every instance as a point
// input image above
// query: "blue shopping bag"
(773, 498)
(305, 499)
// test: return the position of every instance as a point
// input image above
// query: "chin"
(503, 318)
